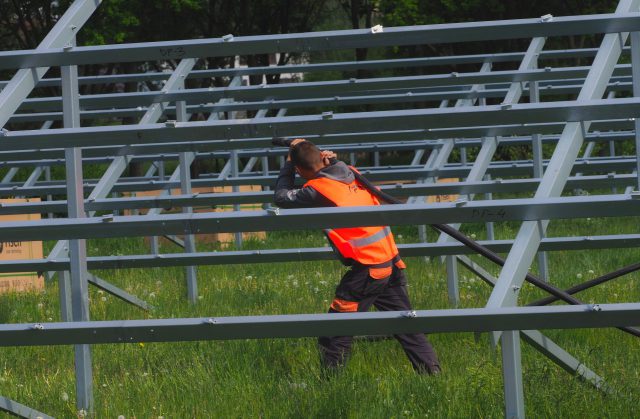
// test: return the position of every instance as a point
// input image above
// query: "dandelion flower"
(64, 396)
(578, 275)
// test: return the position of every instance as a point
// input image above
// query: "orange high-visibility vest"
(365, 245)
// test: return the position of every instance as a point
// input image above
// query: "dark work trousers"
(386, 294)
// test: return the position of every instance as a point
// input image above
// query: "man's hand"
(327, 155)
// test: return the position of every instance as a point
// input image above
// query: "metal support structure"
(635, 65)
(61, 35)
(554, 179)
(538, 171)
(77, 247)
(512, 373)
(453, 288)
(531, 233)
(235, 171)
(120, 163)
(490, 227)
(64, 292)
(388, 125)
(185, 189)
(488, 149)
(625, 241)
(16, 409)
(308, 325)
(540, 342)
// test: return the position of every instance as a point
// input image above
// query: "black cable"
(589, 284)
(483, 251)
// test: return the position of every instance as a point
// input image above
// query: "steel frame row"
(470, 114)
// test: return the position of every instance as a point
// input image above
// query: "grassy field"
(281, 378)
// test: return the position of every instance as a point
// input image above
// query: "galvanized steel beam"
(62, 34)
(622, 241)
(528, 239)
(293, 219)
(328, 40)
(307, 325)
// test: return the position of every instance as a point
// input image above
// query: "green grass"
(277, 378)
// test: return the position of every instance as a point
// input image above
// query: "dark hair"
(306, 155)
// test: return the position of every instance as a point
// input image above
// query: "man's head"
(307, 158)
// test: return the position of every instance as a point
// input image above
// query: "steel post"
(185, 188)
(453, 289)
(538, 171)
(512, 373)
(235, 172)
(635, 57)
(77, 247)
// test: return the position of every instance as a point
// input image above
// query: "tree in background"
(424, 12)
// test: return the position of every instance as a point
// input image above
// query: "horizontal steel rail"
(304, 219)
(621, 241)
(321, 41)
(407, 95)
(498, 170)
(299, 93)
(228, 198)
(402, 141)
(307, 325)
(232, 132)
(334, 66)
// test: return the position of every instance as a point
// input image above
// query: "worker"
(376, 275)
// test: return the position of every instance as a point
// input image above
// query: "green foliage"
(420, 12)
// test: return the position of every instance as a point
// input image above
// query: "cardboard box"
(223, 238)
(444, 198)
(16, 250)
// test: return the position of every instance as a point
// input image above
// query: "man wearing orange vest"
(376, 277)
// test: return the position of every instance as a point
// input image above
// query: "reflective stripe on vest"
(365, 241)
(365, 245)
